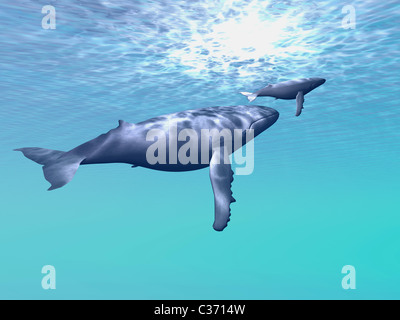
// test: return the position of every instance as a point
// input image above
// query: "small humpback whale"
(129, 143)
(288, 90)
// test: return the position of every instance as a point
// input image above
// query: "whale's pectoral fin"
(299, 102)
(221, 176)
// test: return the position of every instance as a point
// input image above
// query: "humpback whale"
(129, 143)
(288, 90)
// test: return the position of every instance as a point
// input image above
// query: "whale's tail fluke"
(59, 167)
(250, 96)
(40, 155)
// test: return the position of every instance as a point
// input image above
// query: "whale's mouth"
(318, 83)
(264, 123)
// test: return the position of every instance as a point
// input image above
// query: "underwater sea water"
(325, 188)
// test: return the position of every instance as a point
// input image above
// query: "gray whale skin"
(127, 144)
(288, 90)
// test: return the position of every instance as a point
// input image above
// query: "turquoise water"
(324, 192)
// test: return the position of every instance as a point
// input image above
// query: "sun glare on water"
(244, 38)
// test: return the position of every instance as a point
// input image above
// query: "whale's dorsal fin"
(122, 123)
(221, 176)
(299, 102)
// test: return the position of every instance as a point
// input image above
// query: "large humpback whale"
(288, 90)
(130, 143)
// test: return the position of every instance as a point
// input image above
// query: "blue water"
(324, 192)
